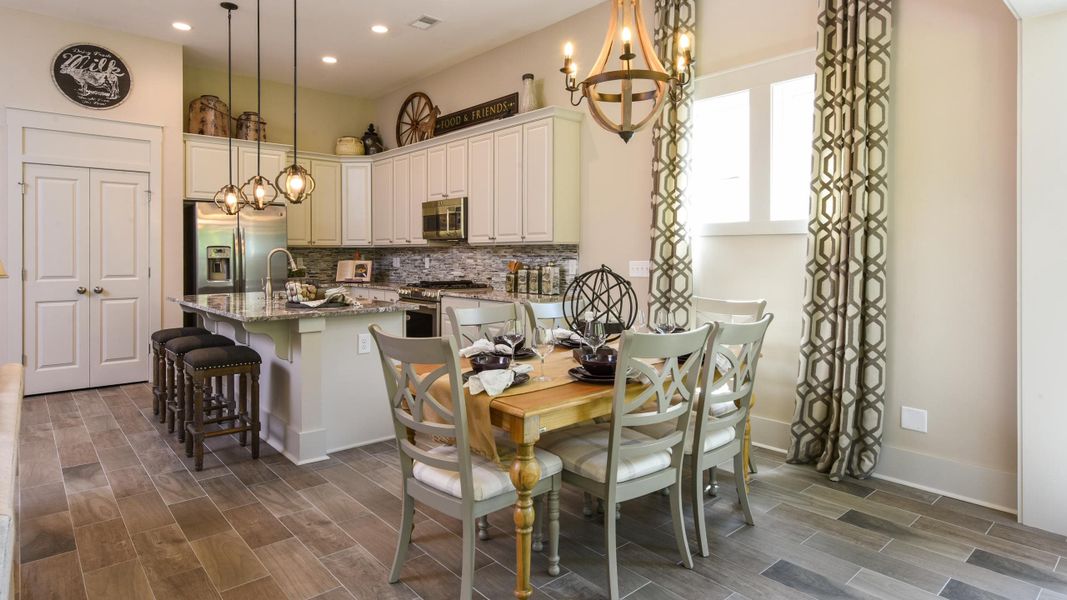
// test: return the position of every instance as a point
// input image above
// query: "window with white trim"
(750, 172)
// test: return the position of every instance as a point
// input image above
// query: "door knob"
(98, 290)
(80, 290)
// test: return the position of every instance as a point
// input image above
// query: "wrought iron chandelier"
(230, 198)
(259, 190)
(295, 182)
(626, 85)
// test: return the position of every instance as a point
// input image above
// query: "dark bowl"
(489, 362)
(500, 340)
(578, 353)
(601, 363)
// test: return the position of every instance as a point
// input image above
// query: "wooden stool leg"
(168, 395)
(231, 400)
(187, 401)
(179, 405)
(254, 410)
(241, 406)
(155, 379)
(197, 432)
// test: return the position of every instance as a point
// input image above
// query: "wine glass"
(544, 342)
(513, 335)
(664, 322)
(640, 323)
(595, 334)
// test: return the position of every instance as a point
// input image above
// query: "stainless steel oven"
(425, 320)
(445, 220)
(422, 322)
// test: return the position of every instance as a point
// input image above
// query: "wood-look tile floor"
(110, 509)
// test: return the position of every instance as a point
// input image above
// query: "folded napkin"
(494, 382)
(566, 334)
(484, 347)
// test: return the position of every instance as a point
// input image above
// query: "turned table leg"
(525, 473)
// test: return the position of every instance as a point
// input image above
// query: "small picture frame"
(362, 271)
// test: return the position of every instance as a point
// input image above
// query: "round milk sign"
(92, 76)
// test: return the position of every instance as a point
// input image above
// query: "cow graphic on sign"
(92, 76)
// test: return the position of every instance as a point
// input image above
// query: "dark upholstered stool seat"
(176, 349)
(159, 393)
(165, 335)
(203, 365)
(180, 346)
(223, 356)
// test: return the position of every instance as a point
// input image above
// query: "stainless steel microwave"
(445, 220)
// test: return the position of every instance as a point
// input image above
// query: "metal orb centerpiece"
(604, 293)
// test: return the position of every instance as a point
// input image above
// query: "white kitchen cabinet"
(538, 180)
(298, 217)
(457, 169)
(207, 168)
(402, 199)
(325, 203)
(418, 196)
(507, 185)
(271, 162)
(382, 203)
(437, 173)
(480, 190)
(356, 207)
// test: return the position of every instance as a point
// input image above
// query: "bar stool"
(205, 364)
(159, 390)
(175, 353)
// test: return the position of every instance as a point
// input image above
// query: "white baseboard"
(971, 483)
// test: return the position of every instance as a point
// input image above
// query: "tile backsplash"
(480, 263)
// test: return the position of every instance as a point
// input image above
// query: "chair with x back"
(544, 314)
(613, 461)
(448, 478)
(734, 351)
(471, 324)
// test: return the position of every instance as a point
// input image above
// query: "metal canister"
(522, 285)
(509, 282)
(551, 275)
(250, 126)
(536, 280)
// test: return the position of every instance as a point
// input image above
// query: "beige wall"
(324, 116)
(156, 66)
(952, 235)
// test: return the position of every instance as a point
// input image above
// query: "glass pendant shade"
(295, 183)
(624, 95)
(259, 191)
(230, 199)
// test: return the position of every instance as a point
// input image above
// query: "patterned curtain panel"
(840, 403)
(670, 286)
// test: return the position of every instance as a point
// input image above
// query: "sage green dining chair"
(449, 478)
(613, 461)
(544, 314)
(708, 310)
(470, 324)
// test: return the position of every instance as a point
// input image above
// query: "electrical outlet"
(426, 262)
(913, 419)
(638, 268)
(365, 343)
(396, 261)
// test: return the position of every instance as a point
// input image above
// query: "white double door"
(86, 289)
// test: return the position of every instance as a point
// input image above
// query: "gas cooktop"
(431, 290)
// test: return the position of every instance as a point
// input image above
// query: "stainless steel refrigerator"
(228, 254)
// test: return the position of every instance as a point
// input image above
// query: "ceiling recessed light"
(181, 26)
(379, 29)
(330, 60)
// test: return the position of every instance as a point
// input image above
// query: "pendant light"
(294, 182)
(654, 82)
(258, 189)
(230, 198)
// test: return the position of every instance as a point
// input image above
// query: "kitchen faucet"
(268, 289)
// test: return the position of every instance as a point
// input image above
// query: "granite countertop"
(252, 307)
(499, 296)
(374, 285)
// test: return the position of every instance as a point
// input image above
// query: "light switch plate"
(396, 261)
(426, 262)
(638, 268)
(913, 419)
(364, 343)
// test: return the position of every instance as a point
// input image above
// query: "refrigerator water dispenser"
(218, 263)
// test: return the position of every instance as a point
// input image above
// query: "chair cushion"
(584, 451)
(717, 439)
(221, 356)
(165, 335)
(489, 479)
(179, 346)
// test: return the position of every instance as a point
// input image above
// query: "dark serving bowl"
(578, 353)
(601, 364)
(489, 362)
(500, 340)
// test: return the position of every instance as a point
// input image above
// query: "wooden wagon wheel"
(416, 120)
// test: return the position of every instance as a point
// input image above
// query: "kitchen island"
(321, 384)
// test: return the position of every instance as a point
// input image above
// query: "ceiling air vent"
(424, 22)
